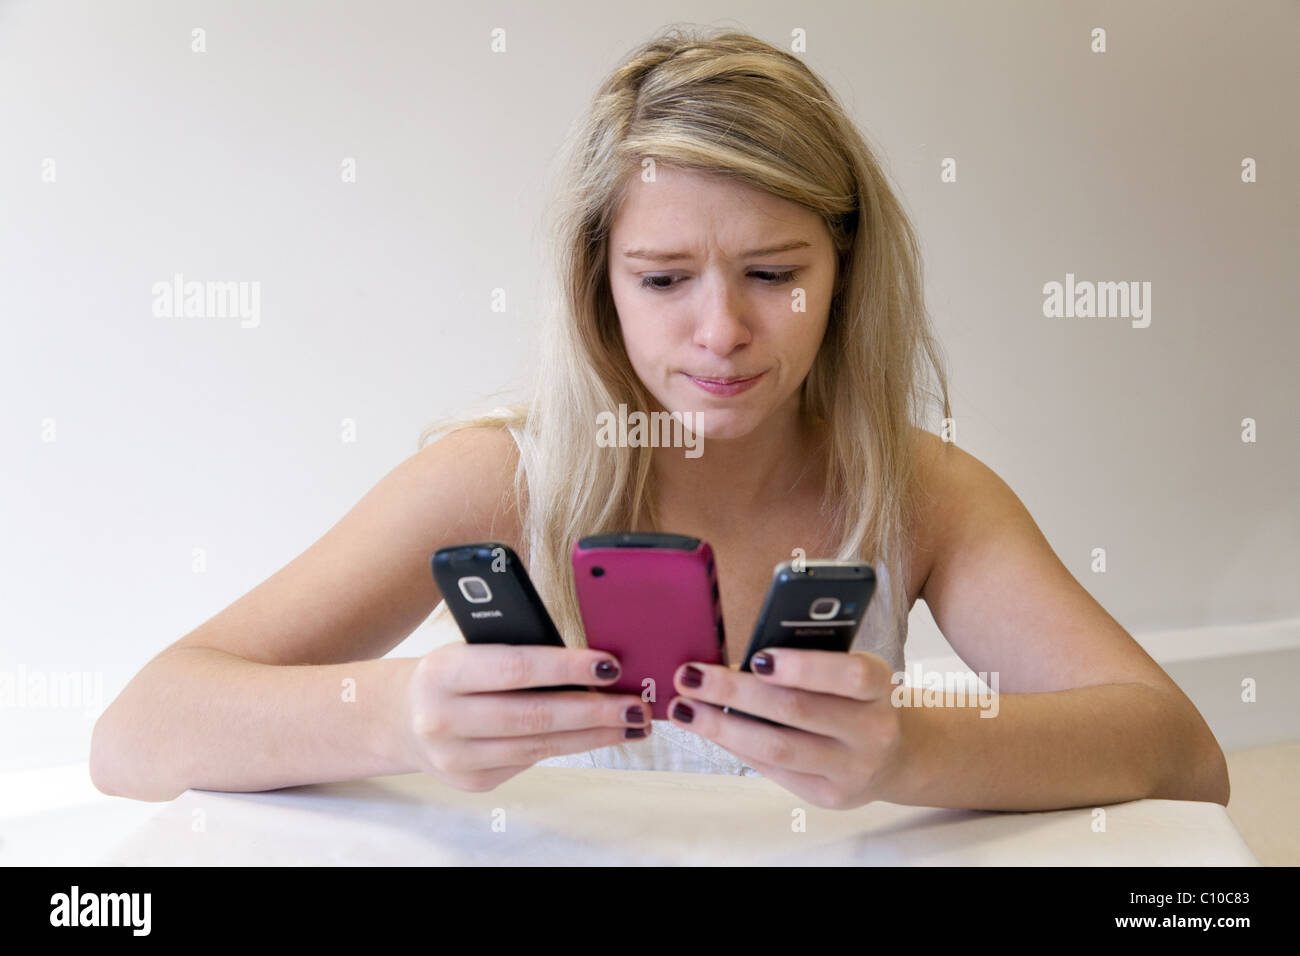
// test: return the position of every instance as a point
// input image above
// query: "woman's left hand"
(843, 739)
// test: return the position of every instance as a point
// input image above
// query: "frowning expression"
(723, 293)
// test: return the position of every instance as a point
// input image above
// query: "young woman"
(728, 247)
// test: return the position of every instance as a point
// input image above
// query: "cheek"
(647, 331)
(634, 332)
(813, 326)
(799, 337)
(816, 335)
(642, 341)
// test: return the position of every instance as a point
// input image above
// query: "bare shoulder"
(1002, 596)
(947, 472)
(932, 451)
(958, 497)
(933, 470)
(468, 476)
(366, 584)
(959, 494)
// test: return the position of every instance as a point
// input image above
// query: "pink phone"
(652, 601)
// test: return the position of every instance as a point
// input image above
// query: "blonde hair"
(729, 104)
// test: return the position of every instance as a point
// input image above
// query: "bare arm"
(1085, 715)
(1067, 748)
(1079, 715)
(202, 718)
(255, 697)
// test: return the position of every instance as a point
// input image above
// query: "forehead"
(685, 208)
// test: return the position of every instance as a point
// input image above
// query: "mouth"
(730, 385)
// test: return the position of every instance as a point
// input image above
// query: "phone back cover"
(513, 615)
(654, 609)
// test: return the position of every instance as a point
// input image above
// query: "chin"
(715, 424)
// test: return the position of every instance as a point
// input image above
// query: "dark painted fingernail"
(692, 676)
(683, 712)
(634, 733)
(606, 670)
(762, 663)
(634, 715)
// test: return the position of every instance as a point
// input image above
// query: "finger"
(789, 748)
(474, 668)
(485, 753)
(860, 675)
(520, 713)
(825, 714)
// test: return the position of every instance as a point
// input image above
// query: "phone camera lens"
(597, 572)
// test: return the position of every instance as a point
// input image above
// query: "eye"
(767, 278)
(650, 282)
(779, 278)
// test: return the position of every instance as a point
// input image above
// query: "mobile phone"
(492, 598)
(817, 605)
(652, 601)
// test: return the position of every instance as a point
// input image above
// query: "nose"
(721, 327)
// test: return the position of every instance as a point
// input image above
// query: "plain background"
(179, 434)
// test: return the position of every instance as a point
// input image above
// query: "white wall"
(173, 434)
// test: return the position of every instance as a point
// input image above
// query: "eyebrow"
(656, 255)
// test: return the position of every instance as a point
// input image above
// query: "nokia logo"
(478, 614)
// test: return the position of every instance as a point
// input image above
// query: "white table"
(611, 817)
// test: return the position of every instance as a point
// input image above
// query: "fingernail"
(692, 676)
(683, 712)
(634, 715)
(762, 663)
(633, 733)
(606, 670)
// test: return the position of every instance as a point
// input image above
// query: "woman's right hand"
(471, 721)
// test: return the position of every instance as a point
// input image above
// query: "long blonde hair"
(729, 104)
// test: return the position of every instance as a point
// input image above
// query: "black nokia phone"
(492, 598)
(820, 607)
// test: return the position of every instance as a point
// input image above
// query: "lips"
(725, 386)
(728, 380)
